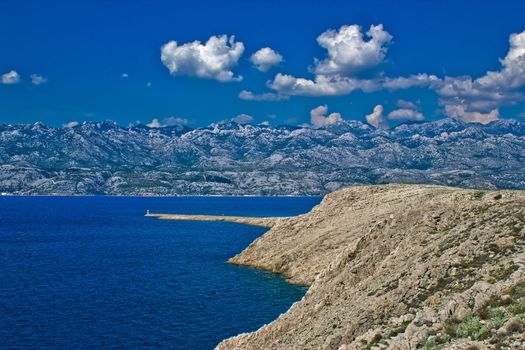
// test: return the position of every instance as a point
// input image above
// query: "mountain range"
(229, 158)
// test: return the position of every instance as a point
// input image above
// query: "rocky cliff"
(398, 267)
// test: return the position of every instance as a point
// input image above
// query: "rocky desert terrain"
(398, 267)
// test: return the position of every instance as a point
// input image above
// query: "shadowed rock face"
(398, 266)
(229, 158)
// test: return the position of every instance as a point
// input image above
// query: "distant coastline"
(161, 195)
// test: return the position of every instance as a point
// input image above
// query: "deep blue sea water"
(93, 272)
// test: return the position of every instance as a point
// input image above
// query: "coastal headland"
(396, 267)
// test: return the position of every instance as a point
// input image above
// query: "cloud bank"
(353, 63)
(350, 51)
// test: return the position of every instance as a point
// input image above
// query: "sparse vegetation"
(503, 272)
(507, 313)
(471, 327)
(376, 340)
(455, 253)
(478, 194)
(400, 329)
(434, 342)
(430, 343)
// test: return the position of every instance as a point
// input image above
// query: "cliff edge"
(398, 267)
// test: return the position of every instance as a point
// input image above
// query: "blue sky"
(77, 52)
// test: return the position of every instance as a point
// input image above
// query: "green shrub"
(517, 290)
(429, 344)
(471, 326)
(517, 307)
(478, 195)
(497, 318)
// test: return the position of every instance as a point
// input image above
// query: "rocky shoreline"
(398, 267)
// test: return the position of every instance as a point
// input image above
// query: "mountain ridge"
(228, 158)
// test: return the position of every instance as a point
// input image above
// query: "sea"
(95, 273)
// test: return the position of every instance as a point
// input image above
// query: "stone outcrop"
(398, 267)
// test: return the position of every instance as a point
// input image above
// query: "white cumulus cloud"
(321, 86)
(349, 51)
(171, 121)
(406, 104)
(37, 79)
(211, 60)
(155, 123)
(266, 58)
(460, 111)
(416, 80)
(512, 74)
(376, 118)
(9, 78)
(267, 96)
(406, 114)
(243, 119)
(318, 117)
(70, 124)
(476, 99)
(492, 90)
(379, 120)
(168, 121)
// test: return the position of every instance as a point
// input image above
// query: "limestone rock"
(397, 267)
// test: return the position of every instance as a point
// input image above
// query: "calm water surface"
(93, 272)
